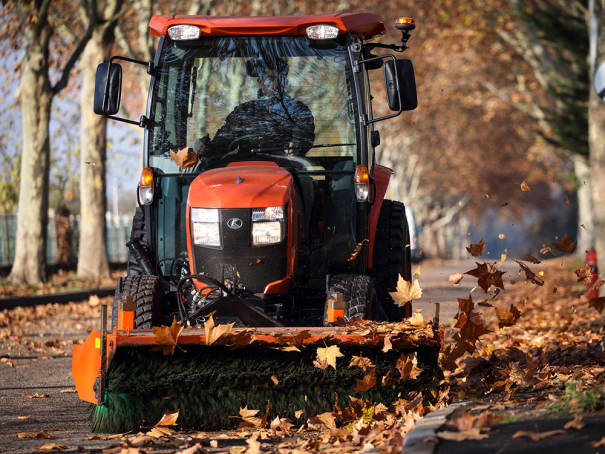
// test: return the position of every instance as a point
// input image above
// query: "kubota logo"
(235, 223)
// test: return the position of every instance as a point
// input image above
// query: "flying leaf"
(387, 344)
(360, 361)
(167, 337)
(503, 258)
(597, 303)
(274, 380)
(466, 305)
(472, 326)
(455, 278)
(406, 292)
(407, 365)
(525, 187)
(484, 304)
(464, 421)
(584, 274)
(476, 250)
(328, 419)
(250, 417)
(507, 317)
(357, 251)
(90, 163)
(532, 259)
(368, 382)
(184, 158)
(565, 245)
(168, 419)
(298, 413)
(255, 262)
(417, 320)
(387, 380)
(546, 250)
(583, 226)
(329, 355)
(320, 363)
(529, 274)
(537, 436)
(487, 275)
(502, 236)
(214, 333)
(568, 203)
(597, 285)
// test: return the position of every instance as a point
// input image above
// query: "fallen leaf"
(507, 317)
(455, 278)
(274, 380)
(525, 187)
(406, 292)
(575, 423)
(168, 419)
(537, 436)
(464, 421)
(487, 275)
(472, 434)
(214, 333)
(287, 348)
(417, 320)
(597, 303)
(476, 250)
(37, 396)
(167, 337)
(407, 365)
(368, 382)
(565, 245)
(253, 445)
(41, 434)
(517, 376)
(329, 355)
(298, 413)
(195, 449)
(94, 301)
(598, 444)
(53, 447)
(328, 418)
(184, 158)
(64, 391)
(360, 361)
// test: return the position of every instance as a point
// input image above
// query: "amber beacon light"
(146, 186)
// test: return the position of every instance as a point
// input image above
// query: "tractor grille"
(238, 250)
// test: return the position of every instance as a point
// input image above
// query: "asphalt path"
(61, 415)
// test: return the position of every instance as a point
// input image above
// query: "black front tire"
(358, 294)
(138, 232)
(148, 295)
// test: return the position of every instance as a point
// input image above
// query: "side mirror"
(598, 81)
(407, 98)
(108, 103)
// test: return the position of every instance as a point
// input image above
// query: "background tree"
(36, 94)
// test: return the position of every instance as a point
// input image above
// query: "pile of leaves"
(62, 281)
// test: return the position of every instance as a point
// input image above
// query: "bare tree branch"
(78, 50)
(42, 16)
(64, 29)
(120, 13)
(125, 44)
(451, 212)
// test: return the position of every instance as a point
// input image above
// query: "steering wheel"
(239, 139)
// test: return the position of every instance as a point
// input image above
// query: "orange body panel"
(126, 313)
(364, 24)
(86, 364)
(382, 176)
(262, 186)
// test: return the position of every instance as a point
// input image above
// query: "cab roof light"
(184, 32)
(322, 32)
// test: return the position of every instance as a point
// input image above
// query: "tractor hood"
(254, 185)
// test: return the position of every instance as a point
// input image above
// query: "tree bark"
(596, 134)
(585, 206)
(92, 255)
(32, 216)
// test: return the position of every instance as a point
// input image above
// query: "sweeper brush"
(131, 384)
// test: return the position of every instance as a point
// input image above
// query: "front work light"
(362, 183)
(322, 32)
(205, 226)
(184, 32)
(146, 186)
(267, 225)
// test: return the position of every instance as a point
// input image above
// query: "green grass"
(578, 402)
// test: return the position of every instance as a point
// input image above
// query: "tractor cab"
(259, 183)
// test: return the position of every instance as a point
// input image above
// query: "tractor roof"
(364, 24)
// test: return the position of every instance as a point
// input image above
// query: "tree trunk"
(64, 235)
(596, 133)
(92, 255)
(32, 215)
(585, 207)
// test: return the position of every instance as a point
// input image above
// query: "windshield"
(227, 99)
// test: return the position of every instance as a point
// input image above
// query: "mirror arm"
(361, 62)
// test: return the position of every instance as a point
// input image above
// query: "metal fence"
(118, 233)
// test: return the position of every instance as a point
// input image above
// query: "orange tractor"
(261, 205)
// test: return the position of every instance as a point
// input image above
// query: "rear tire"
(358, 294)
(148, 295)
(392, 257)
(138, 232)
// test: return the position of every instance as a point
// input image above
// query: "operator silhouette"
(273, 120)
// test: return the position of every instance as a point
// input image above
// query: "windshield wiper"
(324, 145)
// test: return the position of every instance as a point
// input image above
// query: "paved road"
(38, 368)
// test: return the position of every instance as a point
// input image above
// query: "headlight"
(267, 214)
(206, 231)
(266, 232)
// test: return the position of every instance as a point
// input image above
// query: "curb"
(414, 443)
(59, 297)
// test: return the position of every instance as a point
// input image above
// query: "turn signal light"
(362, 183)
(146, 186)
